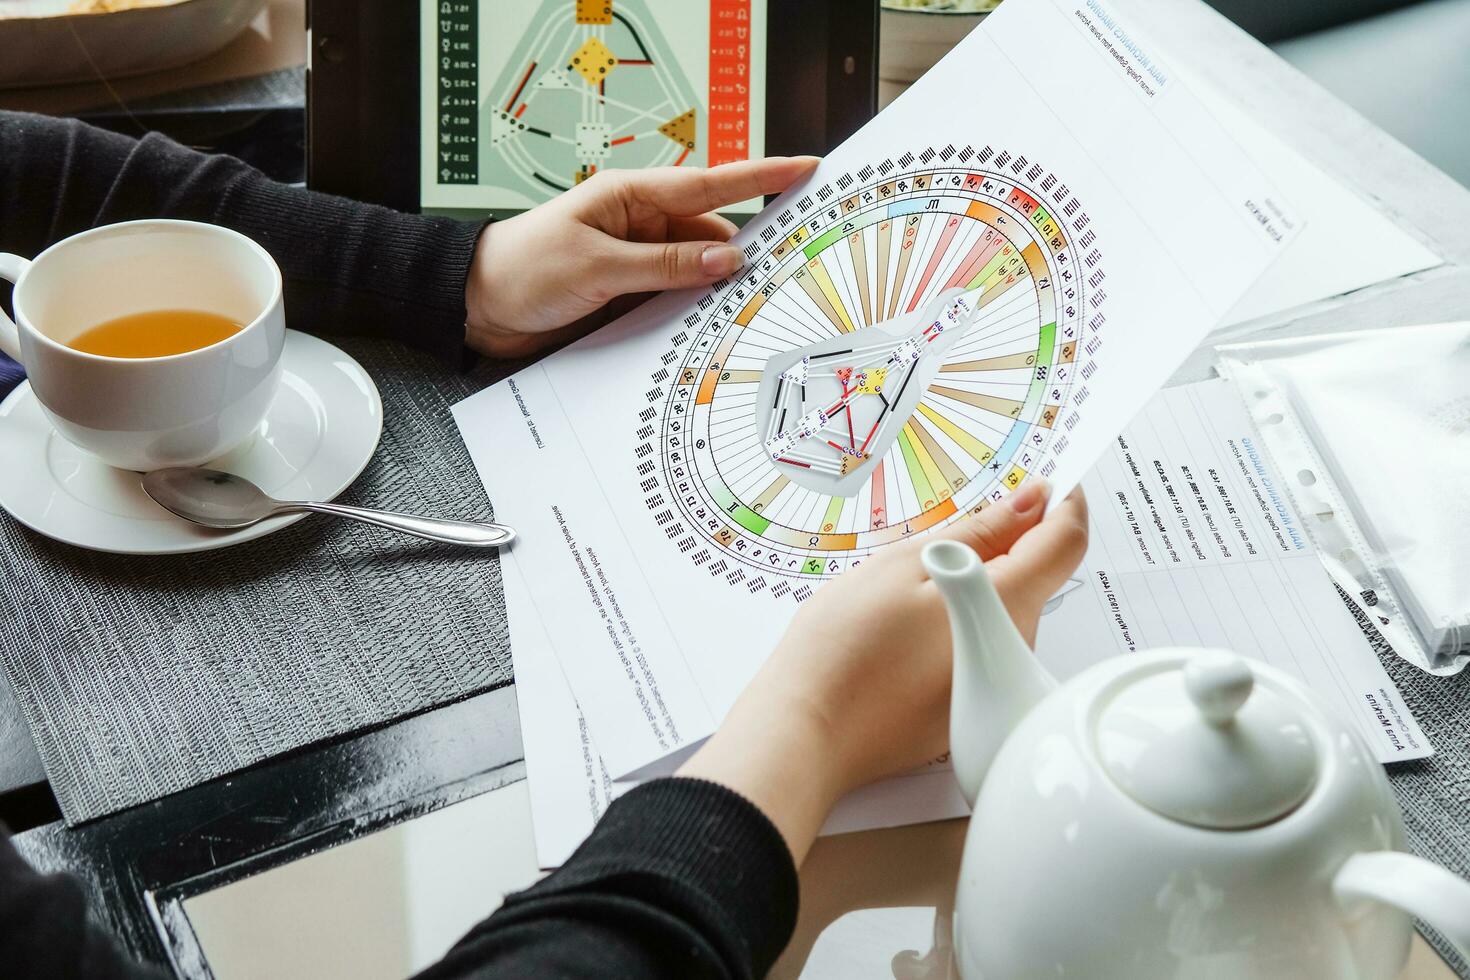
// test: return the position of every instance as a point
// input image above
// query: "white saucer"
(318, 436)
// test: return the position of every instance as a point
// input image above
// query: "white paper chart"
(983, 284)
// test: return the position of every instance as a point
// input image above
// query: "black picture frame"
(362, 98)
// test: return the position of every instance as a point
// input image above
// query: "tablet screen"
(523, 99)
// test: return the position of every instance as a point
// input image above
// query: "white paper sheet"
(1256, 588)
(1195, 543)
(570, 786)
(630, 463)
(1329, 257)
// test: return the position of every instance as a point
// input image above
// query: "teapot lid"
(1204, 744)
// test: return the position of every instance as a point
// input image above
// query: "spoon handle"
(468, 533)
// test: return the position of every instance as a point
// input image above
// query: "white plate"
(319, 434)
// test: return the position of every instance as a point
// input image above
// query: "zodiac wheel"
(905, 346)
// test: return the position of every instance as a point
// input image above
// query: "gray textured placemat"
(143, 676)
(1435, 792)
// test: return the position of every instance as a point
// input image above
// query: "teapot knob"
(1218, 683)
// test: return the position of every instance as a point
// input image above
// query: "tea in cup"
(156, 333)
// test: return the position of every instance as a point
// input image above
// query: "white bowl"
(43, 44)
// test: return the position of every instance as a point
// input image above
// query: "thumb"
(997, 527)
(1039, 562)
(647, 268)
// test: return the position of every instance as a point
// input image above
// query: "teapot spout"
(997, 679)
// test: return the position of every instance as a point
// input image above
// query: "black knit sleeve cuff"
(446, 255)
(360, 269)
(727, 864)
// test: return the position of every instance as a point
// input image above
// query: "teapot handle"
(1421, 888)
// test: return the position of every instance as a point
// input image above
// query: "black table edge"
(140, 866)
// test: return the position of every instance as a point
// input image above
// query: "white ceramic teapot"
(1172, 814)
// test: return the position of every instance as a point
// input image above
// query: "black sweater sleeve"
(681, 879)
(349, 268)
(45, 931)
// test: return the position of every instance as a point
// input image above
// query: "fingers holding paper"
(557, 271)
(1039, 562)
(691, 191)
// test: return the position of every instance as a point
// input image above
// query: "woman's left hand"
(561, 269)
(858, 688)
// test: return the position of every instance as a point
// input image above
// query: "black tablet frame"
(362, 121)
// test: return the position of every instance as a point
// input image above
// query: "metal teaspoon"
(222, 500)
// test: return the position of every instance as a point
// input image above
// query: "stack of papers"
(1192, 544)
(683, 479)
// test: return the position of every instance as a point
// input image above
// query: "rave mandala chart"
(905, 346)
(592, 85)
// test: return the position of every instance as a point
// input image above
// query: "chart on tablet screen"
(524, 100)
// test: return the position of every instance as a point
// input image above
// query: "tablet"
(474, 107)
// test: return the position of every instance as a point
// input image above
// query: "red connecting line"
(851, 439)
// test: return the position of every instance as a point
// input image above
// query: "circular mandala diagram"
(905, 346)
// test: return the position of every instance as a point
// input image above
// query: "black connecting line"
(899, 396)
(636, 39)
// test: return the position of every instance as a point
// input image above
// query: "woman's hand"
(549, 275)
(858, 688)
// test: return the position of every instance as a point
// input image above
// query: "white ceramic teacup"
(148, 413)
